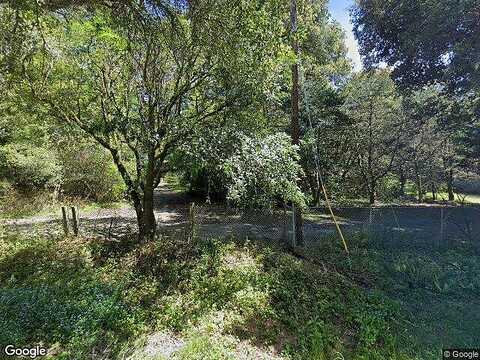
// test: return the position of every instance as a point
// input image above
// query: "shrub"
(89, 172)
(29, 168)
(389, 188)
(5, 188)
(264, 171)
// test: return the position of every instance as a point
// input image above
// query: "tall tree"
(375, 107)
(141, 86)
(295, 116)
(424, 41)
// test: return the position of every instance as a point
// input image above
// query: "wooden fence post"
(65, 220)
(75, 220)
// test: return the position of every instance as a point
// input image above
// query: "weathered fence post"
(75, 220)
(65, 220)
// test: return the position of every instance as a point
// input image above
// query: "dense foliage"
(425, 41)
(263, 172)
(159, 92)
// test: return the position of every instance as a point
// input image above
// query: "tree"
(435, 124)
(295, 108)
(326, 146)
(322, 64)
(141, 86)
(371, 100)
(319, 51)
(424, 41)
(422, 151)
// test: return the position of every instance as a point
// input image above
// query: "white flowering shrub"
(264, 171)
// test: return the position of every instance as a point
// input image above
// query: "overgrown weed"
(88, 298)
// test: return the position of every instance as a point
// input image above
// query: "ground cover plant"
(85, 298)
(435, 288)
(89, 298)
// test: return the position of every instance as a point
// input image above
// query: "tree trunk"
(295, 119)
(419, 189)
(149, 223)
(372, 193)
(419, 184)
(143, 204)
(140, 223)
(434, 192)
(451, 194)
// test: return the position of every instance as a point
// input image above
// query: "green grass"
(88, 299)
(88, 207)
(77, 296)
(470, 199)
(437, 289)
(14, 205)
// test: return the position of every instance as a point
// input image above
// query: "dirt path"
(164, 198)
(169, 208)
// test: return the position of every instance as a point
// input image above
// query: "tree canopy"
(425, 41)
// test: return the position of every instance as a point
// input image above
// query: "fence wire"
(436, 226)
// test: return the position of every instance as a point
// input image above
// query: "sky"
(339, 11)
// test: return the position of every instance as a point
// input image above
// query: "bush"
(88, 172)
(29, 168)
(389, 188)
(5, 188)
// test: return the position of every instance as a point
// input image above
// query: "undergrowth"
(18, 205)
(89, 299)
(436, 287)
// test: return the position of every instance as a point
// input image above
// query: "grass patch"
(91, 207)
(87, 299)
(15, 205)
(436, 289)
(442, 196)
(472, 199)
(53, 294)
